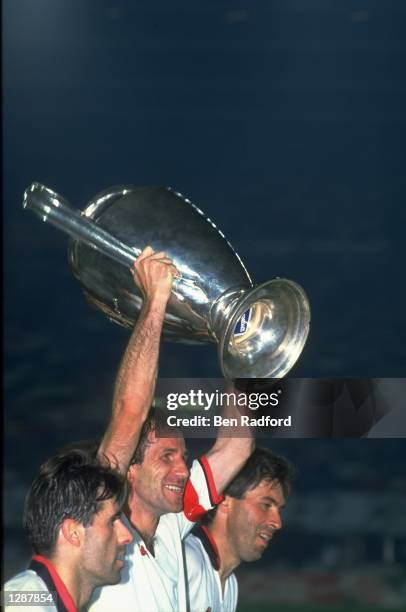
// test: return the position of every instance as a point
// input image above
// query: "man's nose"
(124, 534)
(275, 519)
(182, 469)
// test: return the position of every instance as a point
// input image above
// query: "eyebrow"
(273, 500)
(170, 449)
(116, 515)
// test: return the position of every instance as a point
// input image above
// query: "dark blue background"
(284, 121)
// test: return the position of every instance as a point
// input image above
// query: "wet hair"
(72, 484)
(263, 464)
(156, 421)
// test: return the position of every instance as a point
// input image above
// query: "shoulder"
(193, 546)
(25, 581)
(231, 591)
(195, 556)
(24, 584)
(232, 580)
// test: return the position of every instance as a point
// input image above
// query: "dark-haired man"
(73, 520)
(239, 529)
(164, 498)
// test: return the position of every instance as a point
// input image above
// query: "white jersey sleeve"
(200, 495)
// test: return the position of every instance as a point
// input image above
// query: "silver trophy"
(260, 330)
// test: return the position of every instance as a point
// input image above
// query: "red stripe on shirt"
(59, 584)
(191, 507)
(212, 544)
(214, 496)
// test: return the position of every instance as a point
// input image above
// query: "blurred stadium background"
(285, 122)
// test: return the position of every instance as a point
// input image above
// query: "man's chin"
(254, 555)
(175, 506)
(116, 577)
(110, 580)
(174, 501)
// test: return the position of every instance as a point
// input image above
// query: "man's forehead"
(108, 507)
(161, 443)
(268, 488)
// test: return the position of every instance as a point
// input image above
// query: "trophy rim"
(296, 342)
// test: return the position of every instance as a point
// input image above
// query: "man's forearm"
(135, 383)
(232, 447)
(134, 386)
(227, 457)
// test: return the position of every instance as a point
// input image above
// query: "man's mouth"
(177, 489)
(265, 536)
(121, 556)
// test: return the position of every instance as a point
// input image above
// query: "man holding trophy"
(164, 500)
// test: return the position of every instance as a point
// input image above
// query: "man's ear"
(72, 531)
(225, 505)
(132, 471)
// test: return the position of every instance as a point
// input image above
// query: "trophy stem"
(223, 308)
(54, 209)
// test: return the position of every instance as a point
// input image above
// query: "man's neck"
(78, 588)
(143, 519)
(228, 560)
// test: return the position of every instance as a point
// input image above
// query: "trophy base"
(266, 332)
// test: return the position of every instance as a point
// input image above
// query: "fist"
(154, 274)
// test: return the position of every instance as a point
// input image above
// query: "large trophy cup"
(260, 330)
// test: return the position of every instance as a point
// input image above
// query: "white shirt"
(157, 583)
(41, 587)
(27, 582)
(205, 593)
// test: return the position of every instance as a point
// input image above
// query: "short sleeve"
(200, 492)
(199, 497)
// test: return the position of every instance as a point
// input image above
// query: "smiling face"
(104, 543)
(158, 483)
(253, 520)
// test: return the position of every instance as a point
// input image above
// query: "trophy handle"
(54, 209)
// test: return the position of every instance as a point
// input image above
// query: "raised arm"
(232, 447)
(136, 378)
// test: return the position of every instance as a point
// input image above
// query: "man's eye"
(116, 517)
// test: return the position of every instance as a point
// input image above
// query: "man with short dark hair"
(72, 516)
(239, 529)
(164, 499)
